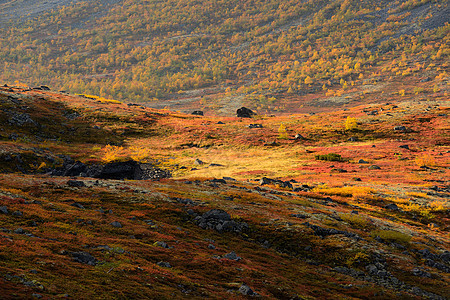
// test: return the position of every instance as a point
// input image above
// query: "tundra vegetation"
(330, 182)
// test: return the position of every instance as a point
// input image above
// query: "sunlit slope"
(263, 53)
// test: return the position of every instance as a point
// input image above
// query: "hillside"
(353, 208)
(273, 56)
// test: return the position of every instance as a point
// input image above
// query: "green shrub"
(329, 157)
(391, 236)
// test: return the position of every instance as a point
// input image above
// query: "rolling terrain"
(273, 56)
(277, 149)
(354, 207)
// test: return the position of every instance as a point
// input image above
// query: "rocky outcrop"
(116, 170)
(244, 112)
(221, 221)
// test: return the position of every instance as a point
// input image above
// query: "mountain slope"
(356, 208)
(269, 53)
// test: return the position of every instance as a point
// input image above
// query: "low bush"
(391, 236)
(329, 157)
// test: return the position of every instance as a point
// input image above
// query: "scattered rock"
(4, 210)
(19, 231)
(198, 162)
(255, 126)
(298, 136)
(246, 290)
(284, 184)
(362, 161)
(162, 245)
(75, 183)
(404, 146)
(20, 119)
(353, 139)
(374, 167)
(17, 213)
(420, 273)
(338, 170)
(164, 264)
(392, 206)
(116, 224)
(197, 113)
(84, 258)
(232, 256)
(323, 232)
(402, 129)
(219, 220)
(77, 205)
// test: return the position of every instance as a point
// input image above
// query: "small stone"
(75, 183)
(362, 161)
(19, 231)
(164, 264)
(4, 210)
(211, 246)
(232, 256)
(198, 162)
(298, 136)
(162, 244)
(392, 206)
(246, 290)
(374, 167)
(77, 205)
(400, 128)
(404, 146)
(17, 213)
(255, 126)
(37, 296)
(116, 224)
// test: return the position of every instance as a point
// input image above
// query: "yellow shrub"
(138, 153)
(282, 132)
(350, 123)
(111, 153)
(425, 160)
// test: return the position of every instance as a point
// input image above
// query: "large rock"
(84, 258)
(116, 170)
(220, 221)
(244, 112)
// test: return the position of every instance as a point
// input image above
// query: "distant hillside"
(267, 54)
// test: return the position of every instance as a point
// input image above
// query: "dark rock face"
(84, 258)
(244, 112)
(219, 220)
(117, 170)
